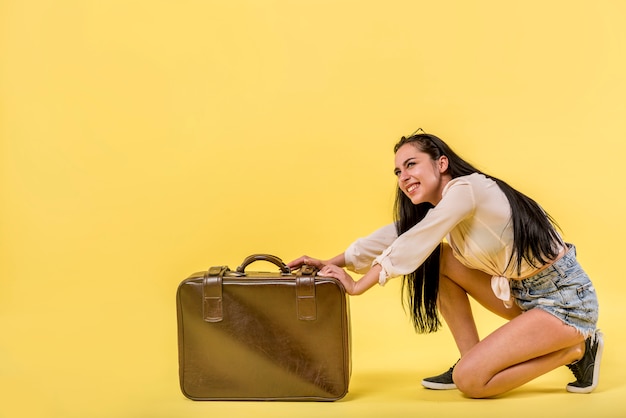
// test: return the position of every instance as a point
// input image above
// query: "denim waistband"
(559, 266)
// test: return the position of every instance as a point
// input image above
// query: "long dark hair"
(535, 236)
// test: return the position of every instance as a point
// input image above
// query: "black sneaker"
(587, 369)
(441, 382)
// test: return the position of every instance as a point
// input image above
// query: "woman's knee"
(469, 381)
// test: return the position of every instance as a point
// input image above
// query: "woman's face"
(420, 178)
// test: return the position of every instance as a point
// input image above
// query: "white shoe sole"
(438, 386)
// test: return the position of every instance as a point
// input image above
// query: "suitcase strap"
(305, 295)
(212, 294)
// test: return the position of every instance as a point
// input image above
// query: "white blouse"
(473, 215)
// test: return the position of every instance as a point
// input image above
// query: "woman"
(502, 249)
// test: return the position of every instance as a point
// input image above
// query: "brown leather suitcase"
(249, 335)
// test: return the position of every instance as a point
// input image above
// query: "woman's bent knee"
(469, 382)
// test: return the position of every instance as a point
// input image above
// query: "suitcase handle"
(284, 269)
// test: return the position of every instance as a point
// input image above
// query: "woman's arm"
(352, 287)
(358, 256)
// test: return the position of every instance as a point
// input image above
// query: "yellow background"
(144, 140)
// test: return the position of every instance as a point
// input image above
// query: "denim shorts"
(563, 290)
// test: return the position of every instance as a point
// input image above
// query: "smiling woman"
(502, 247)
(420, 177)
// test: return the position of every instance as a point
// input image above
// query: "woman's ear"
(443, 164)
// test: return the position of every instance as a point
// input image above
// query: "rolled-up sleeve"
(412, 248)
(362, 252)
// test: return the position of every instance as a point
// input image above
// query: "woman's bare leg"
(455, 283)
(528, 346)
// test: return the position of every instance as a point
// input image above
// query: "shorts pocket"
(542, 289)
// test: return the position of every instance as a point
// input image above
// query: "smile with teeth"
(411, 188)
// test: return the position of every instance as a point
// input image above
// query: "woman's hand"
(306, 260)
(352, 287)
(331, 270)
(338, 260)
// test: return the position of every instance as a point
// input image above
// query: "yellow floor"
(59, 364)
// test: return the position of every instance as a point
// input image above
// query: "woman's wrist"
(338, 260)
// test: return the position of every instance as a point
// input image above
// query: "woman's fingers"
(330, 270)
(325, 271)
(336, 272)
(305, 260)
(294, 264)
(313, 262)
